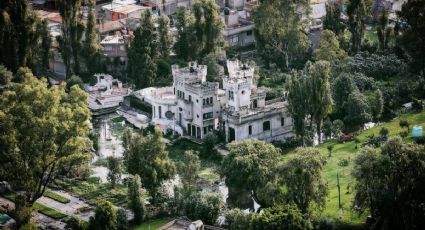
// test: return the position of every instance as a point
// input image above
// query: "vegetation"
(136, 203)
(55, 196)
(104, 217)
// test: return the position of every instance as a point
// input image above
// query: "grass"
(349, 152)
(152, 224)
(56, 197)
(39, 208)
(208, 174)
(94, 192)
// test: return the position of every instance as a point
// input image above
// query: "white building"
(195, 107)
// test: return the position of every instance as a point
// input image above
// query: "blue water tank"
(417, 131)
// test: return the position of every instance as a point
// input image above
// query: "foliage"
(135, 201)
(198, 205)
(147, 156)
(342, 87)
(114, 170)
(376, 104)
(417, 105)
(404, 124)
(72, 32)
(41, 128)
(332, 19)
(74, 223)
(363, 82)
(398, 170)
(281, 217)
(327, 129)
(189, 168)
(301, 176)
(279, 32)
(384, 31)
(165, 40)
(412, 14)
(208, 145)
(104, 217)
(237, 220)
(185, 35)
(297, 99)
(122, 223)
(142, 52)
(356, 11)
(338, 127)
(328, 48)
(250, 165)
(357, 111)
(74, 80)
(5, 76)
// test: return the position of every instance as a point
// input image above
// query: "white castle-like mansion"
(195, 107)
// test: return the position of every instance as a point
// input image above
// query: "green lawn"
(349, 152)
(152, 224)
(56, 197)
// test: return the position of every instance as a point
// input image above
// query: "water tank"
(417, 131)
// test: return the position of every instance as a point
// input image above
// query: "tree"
(114, 167)
(189, 168)
(358, 110)
(165, 40)
(356, 11)
(383, 30)
(183, 46)
(376, 105)
(5, 76)
(297, 101)
(208, 145)
(338, 127)
(38, 58)
(327, 129)
(332, 19)
(213, 71)
(142, 53)
(281, 217)
(40, 129)
(405, 124)
(72, 33)
(122, 223)
(74, 80)
(390, 184)
(320, 93)
(91, 45)
(148, 157)
(328, 48)
(135, 202)
(279, 32)
(75, 224)
(250, 165)
(237, 220)
(104, 217)
(303, 181)
(342, 87)
(207, 27)
(18, 33)
(412, 13)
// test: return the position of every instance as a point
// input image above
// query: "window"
(108, 48)
(159, 112)
(122, 47)
(282, 121)
(205, 130)
(190, 98)
(254, 104)
(249, 32)
(231, 95)
(266, 126)
(234, 39)
(207, 115)
(250, 130)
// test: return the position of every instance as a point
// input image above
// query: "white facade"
(195, 107)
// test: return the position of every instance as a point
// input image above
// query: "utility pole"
(339, 196)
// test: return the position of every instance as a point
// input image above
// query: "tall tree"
(91, 45)
(148, 157)
(135, 200)
(183, 46)
(104, 217)
(207, 26)
(376, 104)
(189, 169)
(357, 110)
(5, 76)
(302, 177)
(279, 31)
(40, 128)
(356, 11)
(328, 48)
(383, 30)
(413, 13)
(390, 183)
(165, 40)
(342, 87)
(72, 33)
(250, 165)
(114, 167)
(18, 33)
(142, 53)
(332, 19)
(298, 101)
(320, 92)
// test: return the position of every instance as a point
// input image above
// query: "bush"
(74, 223)
(417, 105)
(343, 162)
(122, 223)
